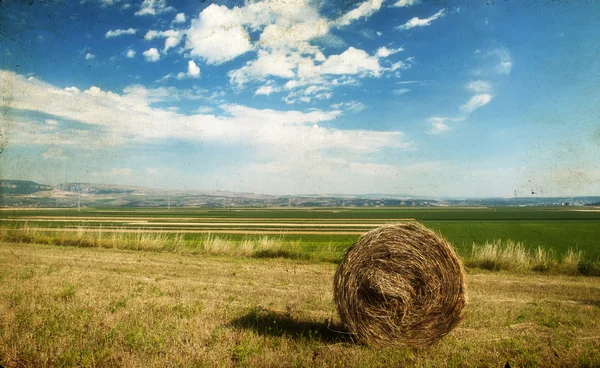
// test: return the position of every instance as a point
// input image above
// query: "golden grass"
(514, 256)
(68, 306)
(263, 247)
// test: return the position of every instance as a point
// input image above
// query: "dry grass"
(263, 247)
(496, 255)
(69, 306)
(400, 284)
(514, 256)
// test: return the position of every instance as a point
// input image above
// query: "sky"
(406, 97)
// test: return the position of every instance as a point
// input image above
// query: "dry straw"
(400, 284)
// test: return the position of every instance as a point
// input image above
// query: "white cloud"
(217, 35)
(151, 55)
(295, 36)
(72, 89)
(284, 46)
(192, 72)
(404, 3)
(385, 52)
(278, 64)
(438, 125)
(418, 22)
(119, 32)
(89, 56)
(130, 53)
(364, 10)
(306, 71)
(112, 118)
(172, 37)
(476, 102)
(351, 61)
(193, 69)
(154, 7)
(266, 90)
(480, 86)
(179, 18)
(355, 107)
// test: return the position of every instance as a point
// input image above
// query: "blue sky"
(440, 98)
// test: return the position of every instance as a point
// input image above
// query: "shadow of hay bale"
(280, 253)
(272, 323)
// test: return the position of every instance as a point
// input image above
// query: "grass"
(75, 306)
(261, 247)
(514, 256)
(495, 255)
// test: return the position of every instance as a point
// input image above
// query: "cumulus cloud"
(217, 35)
(405, 3)
(305, 71)
(283, 35)
(130, 53)
(151, 55)
(172, 37)
(476, 102)
(418, 22)
(119, 32)
(179, 18)
(154, 7)
(192, 72)
(89, 56)
(351, 61)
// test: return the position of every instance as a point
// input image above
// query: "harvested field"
(155, 309)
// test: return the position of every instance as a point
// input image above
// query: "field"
(240, 287)
(556, 229)
(65, 306)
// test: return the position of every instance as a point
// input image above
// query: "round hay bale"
(400, 284)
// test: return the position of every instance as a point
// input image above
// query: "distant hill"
(21, 193)
(21, 187)
(88, 188)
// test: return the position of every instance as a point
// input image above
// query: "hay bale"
(400, 284)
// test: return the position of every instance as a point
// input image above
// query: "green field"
(553, 228)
